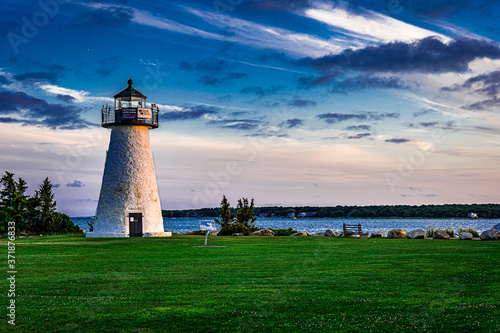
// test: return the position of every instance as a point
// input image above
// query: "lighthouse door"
(135, 224)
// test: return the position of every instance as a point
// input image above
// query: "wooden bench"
(353, 229)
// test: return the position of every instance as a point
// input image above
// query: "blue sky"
(290, 102)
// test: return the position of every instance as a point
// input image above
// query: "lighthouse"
(129, 204)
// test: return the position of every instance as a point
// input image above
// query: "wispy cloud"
(372, 26)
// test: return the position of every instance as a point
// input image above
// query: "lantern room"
(130, 109)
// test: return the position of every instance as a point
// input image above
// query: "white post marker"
(207, 226)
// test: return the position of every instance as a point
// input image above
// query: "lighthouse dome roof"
(129, 91)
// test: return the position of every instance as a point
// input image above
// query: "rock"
(416, 234)
(376, 235)
(365, 234)
(440, 234)
(304, 233)
(465, 236)
(263, 232)
(490, 234)
(319, 234)
(338, 233)
(237, 234)
(213, 233)
(82, 230)
(396, 233)
(329, 233)
(307, 233)
(176, 233)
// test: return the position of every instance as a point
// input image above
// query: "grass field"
(254, 284)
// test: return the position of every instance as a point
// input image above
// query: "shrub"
(430, 231)
(283, 232)
(474, 232)
(450, 232)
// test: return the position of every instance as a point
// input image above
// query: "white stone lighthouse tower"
(129, 204)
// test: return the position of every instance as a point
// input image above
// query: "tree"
(13, 202)
(225, 213)
(243, 220)
(43, 200)
(244, 213)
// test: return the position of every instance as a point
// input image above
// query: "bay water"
(312, 225)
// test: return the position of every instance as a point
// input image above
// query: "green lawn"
(254, 284)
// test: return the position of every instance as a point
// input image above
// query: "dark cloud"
(358, 136)
(50, 77)
(366, 82)
(35, 111)
(486, 104)
(279, 5)
(4, 80)
(189, 113)
(218, 71)
(332, 118)
(301, 103)
(430, 195)
(485, 84)
(225, 98)
(108, 16)
(359, 128)
(291, 123)
(207, 65)
(56, 185)
(450, 125)
(260, 91)
(66, 98)
(219, 79)
(240, 124)
(397, 140)
(429, 124)
(75, 183)
(428, 55)
(423, 112)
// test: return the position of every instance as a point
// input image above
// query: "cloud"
(34, 111)
(75, 183)
(4, 80)
(219, 79)
(51, 77)
(429, 124)
(359, 128)
(260, 91)
(358, 136)
(207, 65)
(113, 16)
(333, 117)
(423, 112)
(485, 84)
(219, 71)
(239, 124)
(398, 140)
(428, 55)
(66, 98)
(291, 123)
(189, 113)
(483, 105)
(365, 24)
(366, 82)
(279, 5)
(301, 103)
(56, 185)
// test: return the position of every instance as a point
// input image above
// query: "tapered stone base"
(128, 186)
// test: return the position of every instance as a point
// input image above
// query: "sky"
(289, 102)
